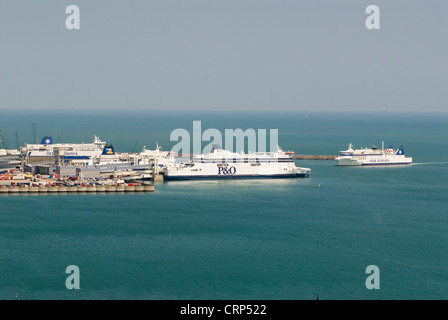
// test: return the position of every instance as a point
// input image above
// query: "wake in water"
(427, 163)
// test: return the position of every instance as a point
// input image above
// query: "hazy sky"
(224, 55)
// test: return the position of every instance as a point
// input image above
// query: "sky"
(223, 55)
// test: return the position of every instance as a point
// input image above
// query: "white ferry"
(372, 156)
(76, 153)
(223, 164)
(163, 158)
(7, 152)
(145, 158)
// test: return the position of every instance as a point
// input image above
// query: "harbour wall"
(295, 157)
(313, 157)
(75, 189)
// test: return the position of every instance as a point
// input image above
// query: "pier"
(313, 157)
(76, 189)
(295, 156)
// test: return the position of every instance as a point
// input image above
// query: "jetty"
(313, 157)
(126, 188)
(295, 156)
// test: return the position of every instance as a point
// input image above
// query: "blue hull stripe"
(67, 157)
(277, 176)
(250, 162)
(76, 157)
(362, 155)
(384, 164)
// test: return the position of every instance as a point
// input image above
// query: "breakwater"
(313, 157)
(75, 189)
(295, 157)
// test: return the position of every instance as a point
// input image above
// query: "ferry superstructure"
(7, 152)
(372, 156)
(76, 153)
(163, 158)
(223, 164)
(145, 157)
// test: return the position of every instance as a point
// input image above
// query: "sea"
(257, 239)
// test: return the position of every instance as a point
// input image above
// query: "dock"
(75, 189)
(295, 156)
(57, 171)
(313, 157)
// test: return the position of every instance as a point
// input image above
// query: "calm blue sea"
(242, 239)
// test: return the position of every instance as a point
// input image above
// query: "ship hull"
(354, 161)
(224, 165)
(242, 176)
(373, 157)
(235, 171)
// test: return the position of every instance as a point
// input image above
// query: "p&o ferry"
(223, 164)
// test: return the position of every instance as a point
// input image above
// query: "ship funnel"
(47, 140)
(108, 150)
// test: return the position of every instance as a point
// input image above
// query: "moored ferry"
(7, 152)
(75, 153)
(223, 164)
(372, 156)
(163, 158)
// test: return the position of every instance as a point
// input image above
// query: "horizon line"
(218, 110)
